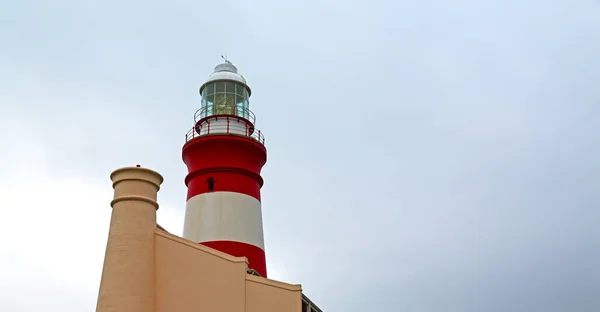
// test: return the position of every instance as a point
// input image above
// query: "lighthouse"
(224, 153)
(214, 267)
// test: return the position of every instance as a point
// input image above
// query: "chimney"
(128, 273)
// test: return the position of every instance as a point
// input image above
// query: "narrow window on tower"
(211, 183)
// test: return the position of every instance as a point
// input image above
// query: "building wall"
(268, 295)
(149, 270)
(191, 277)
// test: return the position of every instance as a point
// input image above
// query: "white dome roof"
(226, 71)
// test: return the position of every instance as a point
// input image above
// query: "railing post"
(227, 124)
(208, 130)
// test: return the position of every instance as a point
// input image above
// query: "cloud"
(55, 228)
(423, 156)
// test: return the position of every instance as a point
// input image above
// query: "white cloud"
(488, 151)
(54, 228)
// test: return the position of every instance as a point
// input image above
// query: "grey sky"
(423, 155)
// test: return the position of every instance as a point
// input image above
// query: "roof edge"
(274, 283)
(201, 247)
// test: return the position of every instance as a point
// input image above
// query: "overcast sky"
(423, 155)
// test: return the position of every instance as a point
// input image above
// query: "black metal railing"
(308, 305)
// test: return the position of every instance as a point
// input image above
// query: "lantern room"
(225, 93)
(225, 106)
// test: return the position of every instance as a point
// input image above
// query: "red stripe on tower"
(224, 154)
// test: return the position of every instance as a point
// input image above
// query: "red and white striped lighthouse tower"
(224, 154)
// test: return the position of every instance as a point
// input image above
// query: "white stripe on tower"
(224, 216)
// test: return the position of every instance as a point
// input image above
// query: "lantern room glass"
(225, 98)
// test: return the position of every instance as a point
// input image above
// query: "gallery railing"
(225, 125)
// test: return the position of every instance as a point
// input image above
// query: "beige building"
(147, 269)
